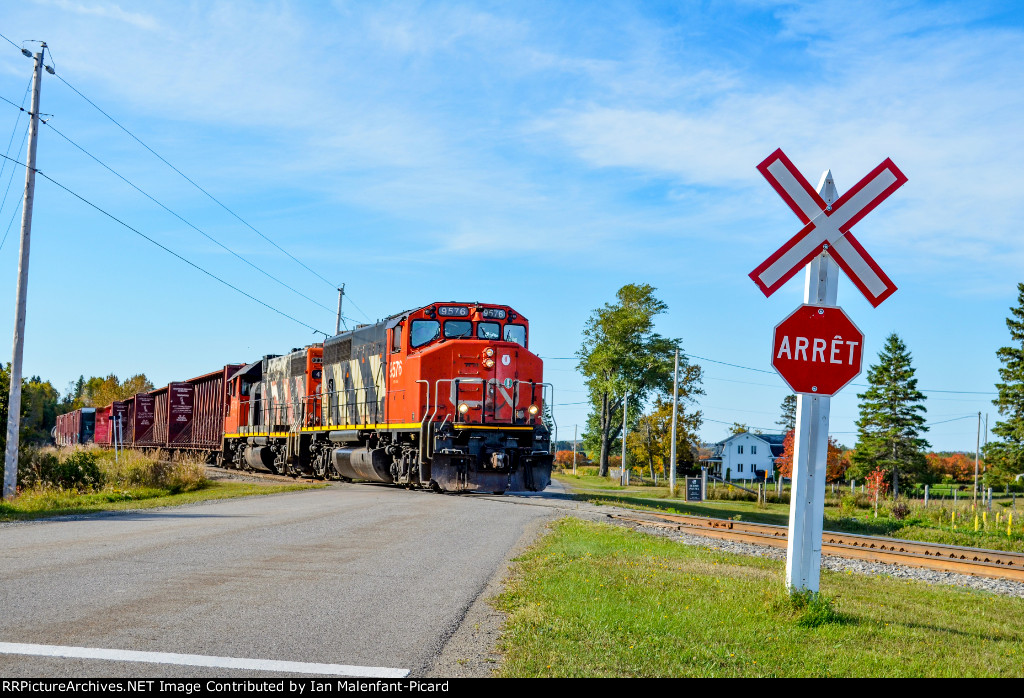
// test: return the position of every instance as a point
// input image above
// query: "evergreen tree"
(787, 420)
(1005, 457)
(891, 419)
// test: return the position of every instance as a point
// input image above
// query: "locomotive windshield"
(458, 329)
(516, 333)
(423, 332)
(488, 330)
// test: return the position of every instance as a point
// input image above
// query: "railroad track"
(978, 562)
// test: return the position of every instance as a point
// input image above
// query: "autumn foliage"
(563, 459)
(835, 467)
(957, 466)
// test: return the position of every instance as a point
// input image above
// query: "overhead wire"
(167, 249)
(186, 221)
(761, 370)
(187, 178)
(197, 185)
(10, 179)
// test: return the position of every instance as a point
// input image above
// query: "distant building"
(745, 456)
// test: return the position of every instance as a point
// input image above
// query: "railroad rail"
(998, 564)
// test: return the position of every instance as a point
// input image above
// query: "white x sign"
(827, 227)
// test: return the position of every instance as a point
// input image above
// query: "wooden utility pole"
(623, 480)
(672, 452)
(14, 403)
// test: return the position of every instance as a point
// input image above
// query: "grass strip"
(42, 504)
(917, 527)
(597, 600)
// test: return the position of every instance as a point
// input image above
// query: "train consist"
(447, 397)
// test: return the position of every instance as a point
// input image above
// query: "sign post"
(827, 363)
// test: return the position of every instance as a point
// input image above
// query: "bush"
(137, 469)
(900, 510)
(78, 469)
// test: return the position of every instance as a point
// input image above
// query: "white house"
(746, 456)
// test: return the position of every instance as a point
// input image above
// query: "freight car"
(447, 396)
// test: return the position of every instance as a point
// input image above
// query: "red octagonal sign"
(817, 350)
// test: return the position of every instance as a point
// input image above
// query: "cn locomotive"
(446, 396)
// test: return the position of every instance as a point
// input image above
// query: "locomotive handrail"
(423, 429)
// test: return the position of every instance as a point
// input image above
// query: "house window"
(739, 466)
(753, 449)
(739, 449)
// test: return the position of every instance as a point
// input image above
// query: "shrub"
(78, 469)
(900, 510)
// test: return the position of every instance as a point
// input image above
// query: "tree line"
(41, 402)
(622, 355)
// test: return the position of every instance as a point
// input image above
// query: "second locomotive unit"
(446, 396)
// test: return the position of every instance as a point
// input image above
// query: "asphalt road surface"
(354, 575)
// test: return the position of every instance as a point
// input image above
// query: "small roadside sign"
(694, 491)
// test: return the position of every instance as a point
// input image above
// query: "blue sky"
(539, 154)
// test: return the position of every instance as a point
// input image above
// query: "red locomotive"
(447, 396)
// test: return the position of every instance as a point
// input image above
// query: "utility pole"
(574, 426)
(977, 449)
(622, 469)
(337, 324)
(14, 403)
(675, 404)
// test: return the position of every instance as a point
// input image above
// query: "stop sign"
(817, 350)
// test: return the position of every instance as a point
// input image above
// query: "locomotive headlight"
(533, 410)
(463, 408)
(488, 363)
(489, 351)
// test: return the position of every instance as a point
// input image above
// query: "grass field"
(934, 524)
(598, 600)
(41, 504)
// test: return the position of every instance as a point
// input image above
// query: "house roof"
(770, 439)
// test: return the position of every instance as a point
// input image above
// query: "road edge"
(471, 650)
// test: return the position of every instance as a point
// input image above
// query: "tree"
(738, 428)
(835, 468)
(651, 440)
(100, 392)
(621, 353)
(787, 420)
(38, 408)
(891, 419)
(1005, 456)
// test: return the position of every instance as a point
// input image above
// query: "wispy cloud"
(104, 11)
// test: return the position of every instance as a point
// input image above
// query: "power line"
(10, 42)
(193, 182)
(167, 249)
(185, 221)
(761, 370)
(21, 201)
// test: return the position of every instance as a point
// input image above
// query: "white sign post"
(824, 244)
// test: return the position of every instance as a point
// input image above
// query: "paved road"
(351, 574)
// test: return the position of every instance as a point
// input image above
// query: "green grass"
(926, 525)
(41, 504)
(598, 600)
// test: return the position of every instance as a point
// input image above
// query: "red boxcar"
(103, 431)
(158, 434)
(75, 427)
(143, 419)
(209, 405)
(127, 414)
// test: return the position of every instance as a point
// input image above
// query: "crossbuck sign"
(827, 227)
